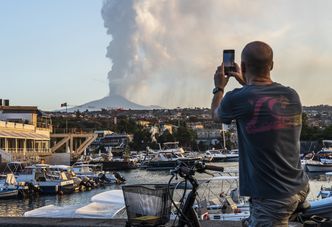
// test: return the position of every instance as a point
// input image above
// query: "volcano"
(112, 102)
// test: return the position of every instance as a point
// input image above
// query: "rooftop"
(21, 109)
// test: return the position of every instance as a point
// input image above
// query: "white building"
(24, 133)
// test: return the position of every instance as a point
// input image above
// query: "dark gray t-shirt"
(269, 124)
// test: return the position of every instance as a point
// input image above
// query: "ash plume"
(157, 51)
(166, 51)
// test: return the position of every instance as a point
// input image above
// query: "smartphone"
(228, 59)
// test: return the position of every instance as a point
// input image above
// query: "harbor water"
(17, 207)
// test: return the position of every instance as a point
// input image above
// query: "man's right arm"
(220, 81)
(216, 100)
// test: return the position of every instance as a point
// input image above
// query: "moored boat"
(8, 187)
(317, 166)
(167, 158)
(95, 172)
(6, 193)
(214, 155)
(41, 178)
(104, 205)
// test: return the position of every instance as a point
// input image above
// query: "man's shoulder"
(276, 84)
(236, 91)
(286, 88)
(236, 94)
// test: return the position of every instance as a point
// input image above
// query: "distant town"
(319, 116)
(200, 132)
(27, 132)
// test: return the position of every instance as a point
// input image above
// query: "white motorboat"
(8, 187)
(326, 192)
(232, 155)
(166, 158)
(87, 170)
(40, 177)
(109, 204)
(105, 205)
(322, 160)
(317, 166)
(70, 174)
(225, 203)
(214, 155)
(95, 172)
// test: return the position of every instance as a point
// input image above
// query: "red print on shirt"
(272, 113)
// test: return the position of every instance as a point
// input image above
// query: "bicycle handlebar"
(214, 168)
(199, 167)
(187, 216)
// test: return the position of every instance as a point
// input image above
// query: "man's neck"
(261, 80)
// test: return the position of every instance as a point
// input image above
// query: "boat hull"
(115, 166)
(231, 159)
(217, 159)
(64, 187)
(8, 194)
(318, 167)
(167, 165)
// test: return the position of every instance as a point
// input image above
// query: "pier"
(77, 222)
(74, 142)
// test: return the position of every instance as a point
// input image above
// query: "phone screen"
(228, 58)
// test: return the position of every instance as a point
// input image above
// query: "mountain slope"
(112, 102)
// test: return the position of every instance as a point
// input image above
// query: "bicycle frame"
(188, 212)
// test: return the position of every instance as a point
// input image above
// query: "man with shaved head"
(268, 118)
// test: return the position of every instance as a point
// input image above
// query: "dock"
(82, 222)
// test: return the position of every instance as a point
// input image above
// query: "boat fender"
(120, 178)
(206, 216)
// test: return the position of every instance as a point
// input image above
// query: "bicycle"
(186, 212)
(317, 211)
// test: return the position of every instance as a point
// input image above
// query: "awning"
(22, 135)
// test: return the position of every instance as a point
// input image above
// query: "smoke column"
(159, 50)
(165, 51)
(119, 18)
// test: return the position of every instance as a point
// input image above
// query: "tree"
(202, 146)
(327, 133)
(126, 125)
(310, 133)
(186, 136)
(166, 136)
(142, 138)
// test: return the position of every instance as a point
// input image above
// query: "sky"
(155, 52)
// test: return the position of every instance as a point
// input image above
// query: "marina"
(85, 175)
(17, 207)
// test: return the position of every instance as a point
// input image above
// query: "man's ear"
(243, 68)
(271, 66)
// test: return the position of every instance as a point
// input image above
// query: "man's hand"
(220, 80)
(238, 75)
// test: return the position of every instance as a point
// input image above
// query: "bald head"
(257, 58)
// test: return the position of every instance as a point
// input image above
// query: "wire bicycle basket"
(147, 204)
